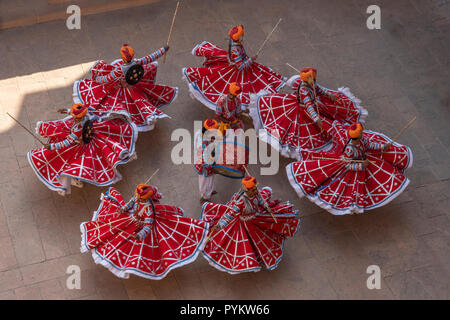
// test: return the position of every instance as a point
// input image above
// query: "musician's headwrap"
(235, 89)
(236, 33)
(127, 52)
(78, 110)
(355, 130)
(249, 182)
(306, 73)
(210, 124)
(145, 191)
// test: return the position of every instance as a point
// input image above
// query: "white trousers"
(206, 186)
(65, 181)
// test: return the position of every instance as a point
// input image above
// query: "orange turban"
(210, 124)
(78, 110)
(249, 182)
(235, 89)
(355, 130)
(236, 33)
(145, 191)
(308, 72)
(127, 52)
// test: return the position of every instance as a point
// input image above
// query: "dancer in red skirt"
(82, 148)
(207, 84)
(126, 87)
(245, 237)
(293, 122)
(364, 171)
(141, 237)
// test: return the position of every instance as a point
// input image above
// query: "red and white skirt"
(208, 83)
(346, 109)
(112, 144)
(140, 103)
(249, 243)
(175, 240)
(333, 187)
(284, 123)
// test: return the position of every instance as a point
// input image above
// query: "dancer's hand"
(387, 147)
(214, 228)
(254, 57)
(124, 83)
(47, 146)
(332, 97)
(365, 163)
(319, 123)
(223, 119)
(234, 125)
(63, 111)
(166, 48)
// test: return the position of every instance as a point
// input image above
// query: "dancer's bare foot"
(77, 183)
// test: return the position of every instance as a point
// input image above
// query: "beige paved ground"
(399, 71)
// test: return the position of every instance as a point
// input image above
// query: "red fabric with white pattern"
(140, 102)
(251, 245)
(213, 80)
(174, 240)
(285, 120)
(332, 186)
(113, 143)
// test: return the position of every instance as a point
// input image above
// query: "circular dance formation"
(338, 164)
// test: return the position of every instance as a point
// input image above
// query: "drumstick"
(293, 67)
(210, 235)
(27, 130)
(171, 28)
(267, 38)
(338, 159)
(269, 210)
(317, 107)
(405, 127)
(402, 131)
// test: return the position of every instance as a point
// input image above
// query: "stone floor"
(399, 71)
